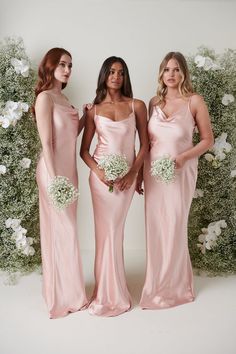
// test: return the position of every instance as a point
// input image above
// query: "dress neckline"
(116, 121)
(174, 113)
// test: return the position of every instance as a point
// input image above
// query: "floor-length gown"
(169, 273)
(63, 284)
(111, 296)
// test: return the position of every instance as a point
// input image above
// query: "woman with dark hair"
(174, 113)
(115, 117)
(58, 126)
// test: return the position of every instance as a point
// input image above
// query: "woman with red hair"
(58, 126)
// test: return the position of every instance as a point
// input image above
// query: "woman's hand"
(126, 181)
(87, 107)
(101, 175)
(180, 161)
(139, 182)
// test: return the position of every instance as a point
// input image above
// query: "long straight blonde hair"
(185, 85)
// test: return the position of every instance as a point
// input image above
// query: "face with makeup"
(63, 69)
(172, 75)
(116, 76)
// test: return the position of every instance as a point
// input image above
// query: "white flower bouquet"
(163, 169)
(62, 192)
(115, 166)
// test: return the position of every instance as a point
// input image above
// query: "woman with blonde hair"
(174, 113)
(58, 126)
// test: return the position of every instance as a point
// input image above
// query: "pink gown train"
(111, 296)
(63, 284)
(169, 273)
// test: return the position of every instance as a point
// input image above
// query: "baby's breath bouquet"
(62, 192)
(115, 166)
(163, 169)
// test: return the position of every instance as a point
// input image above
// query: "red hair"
(46, 70)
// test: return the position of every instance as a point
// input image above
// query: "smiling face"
(172, 75)
(63, 69)
(116, 76)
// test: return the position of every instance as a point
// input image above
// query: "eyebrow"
(65, 62)
(176, 67)
(116, 69)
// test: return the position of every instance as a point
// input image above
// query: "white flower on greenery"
(8, 223)
(12, 112)
(209, 157)
(198, 193)
(233, 173)
(227, 99)
(3, 170)
(5, 122)
(20, 66)
(13, 223)
(199, 60)
(19, 233)
(114, 166)
(208, 238)
(23, 243)
(28, 250)
(221, 147)
(25, 162)
(206, 63)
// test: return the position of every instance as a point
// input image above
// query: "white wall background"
(140, 31)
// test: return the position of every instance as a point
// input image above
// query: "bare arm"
(89, 131)
(82, 123)
(141, 124)
(139, 183)
(86, 108)
(43, 111)
(201, 115)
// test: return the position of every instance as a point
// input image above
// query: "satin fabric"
(111, 296)
(63, 284)
(169, 273)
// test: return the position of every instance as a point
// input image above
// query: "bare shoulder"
(196, 100)
(139, 104)
(44, 98)
(153, 101)
(90, 113)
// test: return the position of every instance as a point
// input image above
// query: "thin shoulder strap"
(189, 101)
(132, 105)
(95, 110)
(50, 96)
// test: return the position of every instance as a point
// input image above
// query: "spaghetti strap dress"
(169, 280)
(63, 283)
(111, 296)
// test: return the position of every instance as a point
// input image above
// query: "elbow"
(211, 142)
(82, 154)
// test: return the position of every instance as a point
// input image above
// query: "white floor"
(206, 326)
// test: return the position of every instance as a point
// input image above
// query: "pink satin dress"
(169, 273)
(63, 284)
(111, 296)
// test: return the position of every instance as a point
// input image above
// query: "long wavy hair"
(101, 90)
(46, 71)
(185, 85)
